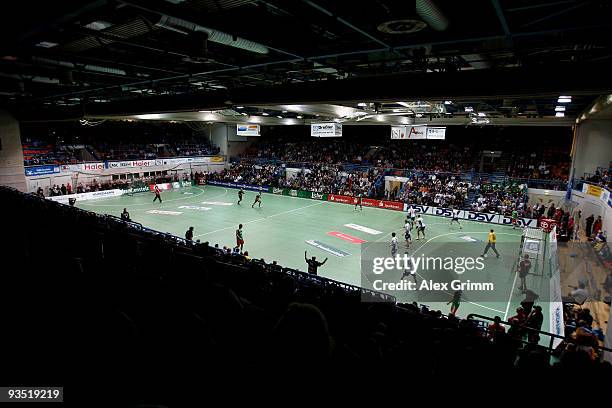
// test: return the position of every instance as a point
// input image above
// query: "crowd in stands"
(38, 152)
(436, 189)
(493, 198)
(601, 177)
(112, 140)
(151, 300)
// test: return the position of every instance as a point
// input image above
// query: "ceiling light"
(239, 107)
(284, 111)
(448, 102)
(362, 104)
(482, 114)
(469, 109)
(279, 116)
(559, 108)
(98, 25)
(299, 116)
(46, 44)
(564, 99)
(560, 114)
(265, 113)
(243, 113)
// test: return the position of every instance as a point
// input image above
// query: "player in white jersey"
(455, 218)
(420, 224)
(393, 245)
(411, 213)
(407, 234)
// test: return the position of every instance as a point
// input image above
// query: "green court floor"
(280, 228)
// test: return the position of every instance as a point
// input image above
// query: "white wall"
(219, 137)
(11, 154)
(593, 146)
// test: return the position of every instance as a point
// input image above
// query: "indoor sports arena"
(300, 184)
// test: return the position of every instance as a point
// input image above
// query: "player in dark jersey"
(257, 200)
(125, 215)
(523, 271)
(455, 218)
(189, 234)
(455, 302)
(157, 194)
(239, 239)
(313, 264)
(358, 199)
(240, 194)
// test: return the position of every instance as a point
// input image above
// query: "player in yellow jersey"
(491, 244)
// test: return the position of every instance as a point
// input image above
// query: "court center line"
(261, 219)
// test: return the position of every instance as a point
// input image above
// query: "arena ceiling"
(507, 59)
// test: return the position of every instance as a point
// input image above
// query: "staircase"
(470, 199)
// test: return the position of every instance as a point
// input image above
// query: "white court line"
(260, 219)
(133, 205)
(510, 297)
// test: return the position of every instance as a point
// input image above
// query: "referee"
(490, 244)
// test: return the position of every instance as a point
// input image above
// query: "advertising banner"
(331, 129)
(249, 187)
(318, 196)
(246, 129)
(590, 189)
(416, 132)
(41, 170)
(87, 196)
(436, 133)
(341, 199)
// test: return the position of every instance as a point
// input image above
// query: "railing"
(552, 336)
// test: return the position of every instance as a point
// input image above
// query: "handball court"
(284, 227)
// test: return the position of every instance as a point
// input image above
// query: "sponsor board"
(415, 132)
(276, 190)
(163, 186)
(87, 196)
(363, 229)
(367, 202)
(327, 248)
(41, 170)
(195, 207)
(92, 166)
(176, 184)
(136, 190)
(293, 193)
(247, 130)
(162, 212)
(318, 196)
(471, 215)
(326, 129)
(590, 189)
(341, 199)
(346, 237)
(521, 222)
(249, 187)
(216, 203)
(482, 217)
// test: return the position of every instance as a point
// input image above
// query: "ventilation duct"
(431, 14)
(185, 27)
(88, 67)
